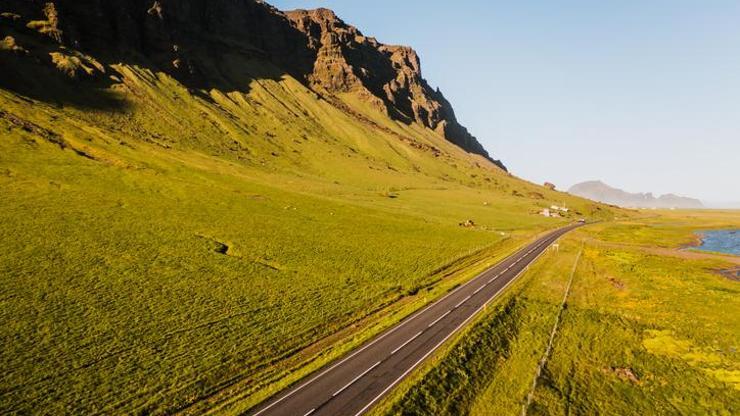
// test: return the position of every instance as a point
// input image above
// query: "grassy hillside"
(167, 248)
(647, 328)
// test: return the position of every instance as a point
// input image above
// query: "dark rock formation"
(388, 76)
(189, 38)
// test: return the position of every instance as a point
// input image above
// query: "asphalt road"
(352, 385)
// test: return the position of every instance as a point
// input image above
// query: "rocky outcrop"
(388, 76)
(189, 38)
(181, 37)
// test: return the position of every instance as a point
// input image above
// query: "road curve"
(352, 385)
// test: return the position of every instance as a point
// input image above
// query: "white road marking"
(405, 373)
(368, 345)
(355, 379)
(310, 411)
(462, 301)
(407, 342)
(439, 319)
(479, 289)
(392, 330)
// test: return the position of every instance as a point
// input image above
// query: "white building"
(546, 212)
(557, 208)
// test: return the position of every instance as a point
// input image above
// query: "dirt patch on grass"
(34, 129)
(732, 274)
(624, 374)
(618, 284)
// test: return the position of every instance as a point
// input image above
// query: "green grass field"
(167, 249)
(648, 328)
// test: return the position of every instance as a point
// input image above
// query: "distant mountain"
(599, 191)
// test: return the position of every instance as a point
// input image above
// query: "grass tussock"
(50, 26)
(9, 44)
(75, 66)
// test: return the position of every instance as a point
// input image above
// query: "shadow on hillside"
(203, 45)
(30, 79)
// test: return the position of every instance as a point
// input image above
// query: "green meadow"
(165, 249)
(193, 249)
(649, 327)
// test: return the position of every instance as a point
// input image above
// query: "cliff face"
(188, 39)
(180, 37)
(388, 76)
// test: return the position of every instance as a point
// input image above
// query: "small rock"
(468, 224)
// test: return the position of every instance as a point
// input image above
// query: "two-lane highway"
(355, 383)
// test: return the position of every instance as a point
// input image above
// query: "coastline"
(697, 240)
(700, 239)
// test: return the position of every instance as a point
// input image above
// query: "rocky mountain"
(388, 76)
(193, 40)
(601, 192)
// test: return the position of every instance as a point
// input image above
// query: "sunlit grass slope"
(648, 328)
(160, 250)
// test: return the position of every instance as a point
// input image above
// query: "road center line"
(479, 289)
(462, 301)
(401, 324)
(310, 411)
(407, 342)
(384, 334)
(355, 379)
(439, 319)
(408, 370)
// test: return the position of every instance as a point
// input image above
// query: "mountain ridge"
(186, 39)
(389, 76)
(599, 191)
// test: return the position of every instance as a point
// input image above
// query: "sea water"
(721, 241)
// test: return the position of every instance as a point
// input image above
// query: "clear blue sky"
(644, 95)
